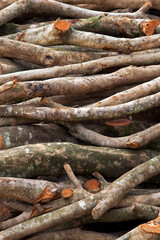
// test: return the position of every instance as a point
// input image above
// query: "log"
(33, 160)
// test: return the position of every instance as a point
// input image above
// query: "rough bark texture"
(29, 134)
(33, 160)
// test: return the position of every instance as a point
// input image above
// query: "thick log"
(30, 134)
(32, 160)
(28, 190)
(40, 55)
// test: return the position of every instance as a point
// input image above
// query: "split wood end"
(36, 213)
(148, 27)
(49, 193)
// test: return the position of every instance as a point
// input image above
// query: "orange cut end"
(133, 144)
(118, 122)
(0, 142)
(93, 185)
(62, 25)
(48, 194)
(152, 226)
(147, 3)
(67, 192)
(148, 27)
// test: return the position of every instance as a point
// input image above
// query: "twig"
(72, 177)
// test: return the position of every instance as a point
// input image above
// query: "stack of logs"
(79, 94)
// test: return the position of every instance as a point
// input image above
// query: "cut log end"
(62, 25)
(67, 193)
(147, 3)
(118, 122)
(93, 185)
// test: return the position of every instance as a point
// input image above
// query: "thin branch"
(72, 177)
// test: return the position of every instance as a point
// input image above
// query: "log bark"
(136, 140)
(9, 66)
(149, 57)
(30, 134)
(76, 233)
(27, 190)
(81, 114)
(109, 25)
(78, 85)
(147, 231)
(114, 4)
(62, 33)
(21, 7)
(33, 160)
(39, 55)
